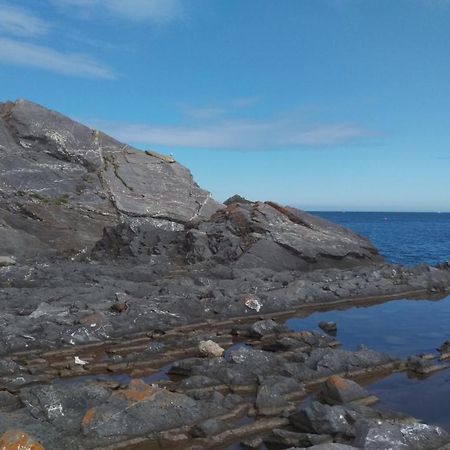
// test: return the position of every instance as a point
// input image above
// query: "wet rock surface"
(137, 311)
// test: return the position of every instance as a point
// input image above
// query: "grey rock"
(265, 327)
(210, 349)
(268, 235)
(388, 435)
(323, 419)
(272, 390)
(383, 436)
(62, 183)
(329, 327)
(420, 436)
(209, 428)
(337, 390)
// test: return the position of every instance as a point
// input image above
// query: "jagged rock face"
(268, 235)
(61, 183)
(246, 235)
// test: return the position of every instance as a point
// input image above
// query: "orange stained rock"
(138, 391)
(18, 440)
(337, 382)
(87, 419)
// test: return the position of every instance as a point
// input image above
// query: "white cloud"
(19, 22)
(238, 134)
(153, 11)
(210, 112)
(37, 56)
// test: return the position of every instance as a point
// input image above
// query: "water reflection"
(426, 399)
(399, 327)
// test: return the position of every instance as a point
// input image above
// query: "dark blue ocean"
(404, 238)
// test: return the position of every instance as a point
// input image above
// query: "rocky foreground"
(137, 310)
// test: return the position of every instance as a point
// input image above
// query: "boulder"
(329, 327)
(210, 349)
(272, 391)
(265, 327)
(337, 390)
(323, 419)
(388, 434)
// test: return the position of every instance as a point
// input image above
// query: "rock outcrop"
(61, 183)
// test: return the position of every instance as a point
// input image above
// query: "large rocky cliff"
(62, 184)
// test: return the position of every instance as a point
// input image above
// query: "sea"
(401, 327)
(402, 238)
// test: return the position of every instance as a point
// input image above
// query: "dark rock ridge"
(246, 235)
(61, 183)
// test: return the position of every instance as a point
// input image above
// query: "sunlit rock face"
(61, 183)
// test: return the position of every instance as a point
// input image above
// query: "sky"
(319, 104)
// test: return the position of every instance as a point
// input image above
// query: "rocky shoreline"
(138, 312)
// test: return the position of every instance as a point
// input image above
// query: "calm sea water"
(404, 238)
(399, 327)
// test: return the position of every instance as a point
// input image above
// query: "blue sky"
(321, 104)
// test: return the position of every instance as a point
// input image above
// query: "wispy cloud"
(239, 134)
(213, 112)
(152, 11)
(20, 22)
(73, 64)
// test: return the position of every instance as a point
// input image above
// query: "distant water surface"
(402, 238)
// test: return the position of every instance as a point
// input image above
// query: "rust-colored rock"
(87, 419)
(138, 391)
(338, 382)
(338, 390)
(18, 440)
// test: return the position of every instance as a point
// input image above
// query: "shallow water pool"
(398, 327)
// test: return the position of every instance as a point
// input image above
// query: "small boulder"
(210, 349)
(264, 327)
(323, 419)
(380, 436)
(272, 394)
(328, 327)
(336, 390)
(209, 428)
